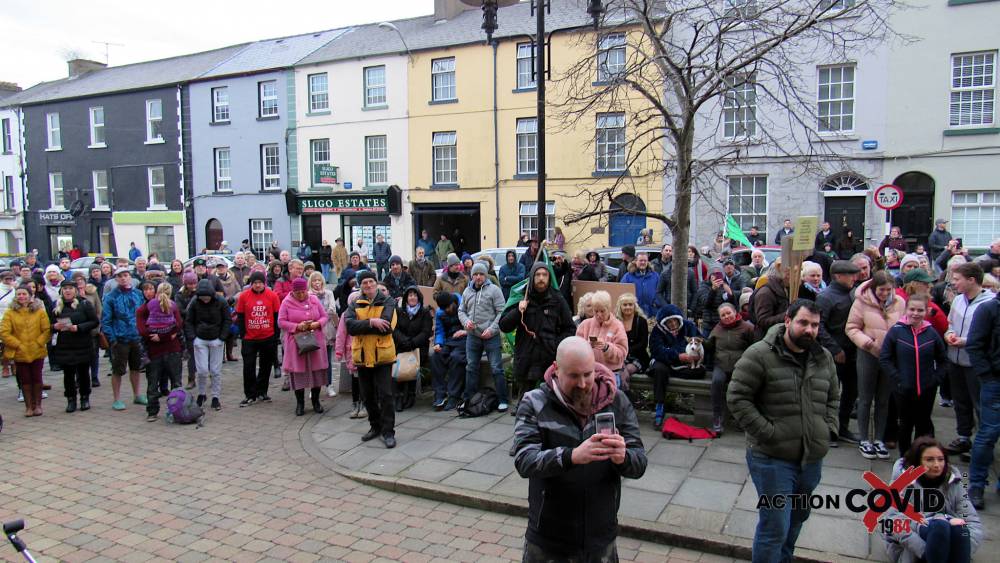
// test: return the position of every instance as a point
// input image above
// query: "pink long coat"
(291, 313)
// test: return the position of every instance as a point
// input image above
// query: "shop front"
(353, 215)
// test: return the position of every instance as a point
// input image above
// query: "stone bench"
(700, 388)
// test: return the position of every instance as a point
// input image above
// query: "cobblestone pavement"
(105, 485)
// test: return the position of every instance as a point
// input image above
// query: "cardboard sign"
(805, 232)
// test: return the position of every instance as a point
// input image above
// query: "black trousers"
(77, 378)
(661, 374)
(260, 354)
(162, 371)
(965, 395)
(376, 392)
(914, 416)
(847, 373)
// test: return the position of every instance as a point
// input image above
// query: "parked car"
(211, 260)
(83, 263)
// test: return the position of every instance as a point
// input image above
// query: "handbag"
(406, 367)
(102, 341)
(306, 342)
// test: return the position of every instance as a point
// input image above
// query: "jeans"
(208, 361)
(95, 363)
(847, 373)
(447, 369)
(989, 431)
(326, 272)
(873, 387)
(474, 348)
(161, 368)
(75, 376)
(720, 382)
(254, 351)
(944, 543)
(965, 397)
(778, 528)
(376, 391)
(914, 416)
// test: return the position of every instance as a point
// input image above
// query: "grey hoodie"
(960, 321)
(483, 307)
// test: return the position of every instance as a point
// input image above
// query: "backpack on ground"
(483, 402)
(675, 429)
(183, 409)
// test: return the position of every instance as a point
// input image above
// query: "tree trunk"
(681, 230)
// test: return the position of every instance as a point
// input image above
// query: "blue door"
(625, 229)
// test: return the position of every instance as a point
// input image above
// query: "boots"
(84, 403)
(38, 399)
(317, 408)
(71, 404)
(300, 402)
(28, 392)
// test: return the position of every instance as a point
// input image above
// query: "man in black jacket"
(835, 305)
(541, 321)
(663, 287)
(396, 280)
(574, 486)
(564, 275)
(983, 346)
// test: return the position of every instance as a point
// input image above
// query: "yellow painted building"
(455, 162)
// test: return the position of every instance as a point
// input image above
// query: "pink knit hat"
(299, 284)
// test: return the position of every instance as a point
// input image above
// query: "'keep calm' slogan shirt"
(258, 310)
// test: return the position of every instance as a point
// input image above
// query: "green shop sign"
(347, 203)
(325, 174)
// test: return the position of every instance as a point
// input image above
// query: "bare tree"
(687, 64)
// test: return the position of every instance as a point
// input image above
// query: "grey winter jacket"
(483, 307)
(960, 322)
(909, 547)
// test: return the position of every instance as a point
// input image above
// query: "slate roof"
(275, 53)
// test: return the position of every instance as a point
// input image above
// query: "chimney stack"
(9, 87)
(83, 66)
(448, 9)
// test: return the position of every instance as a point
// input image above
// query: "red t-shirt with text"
(258, 310)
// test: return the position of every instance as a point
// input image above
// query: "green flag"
(517, 291)
(734, 232)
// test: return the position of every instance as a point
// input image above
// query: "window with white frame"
(526, 65)
(610, 57)
(443, 79)
(375, 86)
(160, 241)
(154, 121)
(97, 127)
(100, 181)
(270, 162)
(975, 217)
(610, 142)
(268, 98)
(836, 99)
(8, 194)
(377, 160)
(8, 146)
(261, 235)
(748, 200)
(319, 92)
(157, 187)
(527, 145)
(54, 131)
(320, 153)
(57, 198)
(973, 89)
(529, 219)
(220, 104)
(739, 113)
(444, 146)
(223, 170)
(740, 9)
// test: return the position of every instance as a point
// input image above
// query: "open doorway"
(461, 222)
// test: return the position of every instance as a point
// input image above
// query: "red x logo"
(897, 486)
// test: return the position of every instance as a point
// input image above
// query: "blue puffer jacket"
(510, 274)
(664, 346)
(914, 359)
(118, 317)
(645, 289)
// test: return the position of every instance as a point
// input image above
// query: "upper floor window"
(220, 104)
(443, 79)
(268, 98)
(375, 86)
(377, 160)
(223, 170)
(610, 142)
(319, 92)
(527, 146)
(740, 107)
(973, 89)
(270, 162)
(610, 57)
(8, 145)
(57, 199)
(154, 121)
(445, 157)
(97, 127)
(8, 193)
(55, 133)
(526, 65)
(836, 99)
(748, 200)
(100, 179)
(157, 187)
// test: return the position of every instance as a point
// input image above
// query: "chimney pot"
(83, 66)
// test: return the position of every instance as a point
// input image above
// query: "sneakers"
(45, 395)
(658, 422)
(356, 413)
(118, 405)
(201, 400)
(717, 425)
(946, 403)
(140, 400)
(439, 404)
(450, 405)
(151, 418)
(247, 402)
(976, 498)
(264, 399)
(95, 383)
(867, 450)
(20, 396)
(331, 391)
(881, 451)
(502, 407)
(958, 446)
(216, 404)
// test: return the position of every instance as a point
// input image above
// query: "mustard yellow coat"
(25, 331)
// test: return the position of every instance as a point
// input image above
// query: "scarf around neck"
(602, 394)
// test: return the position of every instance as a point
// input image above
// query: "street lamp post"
(490, 24)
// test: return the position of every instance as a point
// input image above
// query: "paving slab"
(637, 503)
(675, 454)
(707, 494)
(475, 481)
(720, 471)
(432, 470)
(465, 451)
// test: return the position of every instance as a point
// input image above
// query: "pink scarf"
(602, 394)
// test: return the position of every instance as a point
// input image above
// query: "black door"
(916, 216)
(312, 233)
(845, 213)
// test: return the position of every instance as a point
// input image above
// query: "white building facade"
(11, 178)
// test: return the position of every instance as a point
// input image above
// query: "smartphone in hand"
(605, 423)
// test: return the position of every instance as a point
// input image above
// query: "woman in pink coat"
(342, 349)
(301, 312)
(606, 334)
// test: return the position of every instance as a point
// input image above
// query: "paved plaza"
(104, 485)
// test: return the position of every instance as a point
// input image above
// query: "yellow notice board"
(805, 232)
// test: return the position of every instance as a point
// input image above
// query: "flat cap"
(844, 267)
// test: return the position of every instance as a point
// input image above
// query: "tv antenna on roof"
(107, 44)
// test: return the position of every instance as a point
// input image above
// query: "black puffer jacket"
(573, 509)
(548, 317)
(207, 321)
(413, 333)
(74, 348)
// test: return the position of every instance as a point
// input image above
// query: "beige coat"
(868, 321)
